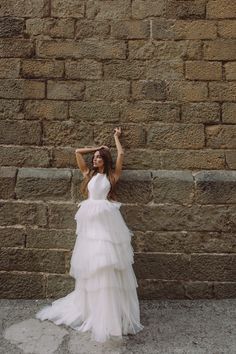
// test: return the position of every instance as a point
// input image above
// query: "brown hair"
(107, 159)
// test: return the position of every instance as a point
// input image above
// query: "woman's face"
(97, 160)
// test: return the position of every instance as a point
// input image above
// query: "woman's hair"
(107, 159)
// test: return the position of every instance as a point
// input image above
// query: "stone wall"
(165, 71)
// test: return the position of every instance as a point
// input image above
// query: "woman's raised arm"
(120, 154)
(80, 160)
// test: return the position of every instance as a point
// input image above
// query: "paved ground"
(171, 327)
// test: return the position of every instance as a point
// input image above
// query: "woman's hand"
(117, 132)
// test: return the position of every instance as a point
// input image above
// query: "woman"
(105, 298)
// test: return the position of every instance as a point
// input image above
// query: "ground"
(171, 327)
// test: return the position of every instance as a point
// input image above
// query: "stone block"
(215, 187)
(24, 156)
(221, 136)
(12, 237)
(42, 69)
(11, 27)
(173, 187)
(9, 68)
(224, 290)
(92, 28)
(201, 112)
(22, 285)
(67, 8)
(220, 49)
(130, 29)
(175, 136)
(65, 90)
(230, 71)
(21, 89)
(59, 285)
(24, 8)
(230, 159)
(148, 8)
(46, 109)
(163, 69)
(83, 69)
(220, 9)
(20, 132)
(108, 10)
(107, 90)
(52, 27)
(20, 48)
(21, 213)
(11, 109)
(153, 289)
(43, 184)
(128, 69)
(49, 239)
(202, 70)
(146, 159)
(7, 185)
(63, 157)
(67, 133)
(199, 290)
(95, 111)
(61, 216)
(149, 90)
(222, 91)
(227, 29)
(183, 91)
(182, 9)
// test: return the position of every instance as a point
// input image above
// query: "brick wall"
(165, 71)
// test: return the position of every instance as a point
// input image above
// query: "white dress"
(105, 299)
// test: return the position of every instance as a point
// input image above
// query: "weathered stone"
(107, 90)
(83, 69)
(65, 90)
(135, 187)
(173, 187)
(187, 91)
(42, 69)
(49, 110)
(9, 68)
(165, 50)
(193, 159)
(91, 28)
(142, 158)
(140, 111)
(20, 132)
(55, 28)
(167, 136)
(24, 156)
(220, 267)
(120, 69)
(22, 285)
(63, 157)
(171, 69)
(153, 289)
(220, 49)
(21, 89)
(182, 9)
(184, 241)
(221, 136)
(227, 29)
(108, 10)
(220, 9)
(7, 185)
(222, 91)
(11, 109)
(162, 266)
(199, 290)
(43, 184)
(173, 217)
(11, 48)
(67, 133)
(11, 27)
(202, 70)
(132, 136)
(95, 111)
(86, 48)
(20, 213)
(181, 29)
(68, 8)
(130, 29)
(230, 159)
(224, 290)
(12, 237)
(201, 112)
(49, 239)
(59, 285)
(230, 71)
(148, 8)
(149, 90)
(61, 216)
(215, 187)
(24, 8)
(32, 260)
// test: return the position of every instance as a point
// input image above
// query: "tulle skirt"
(105, 299)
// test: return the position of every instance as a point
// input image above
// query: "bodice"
(99, 186)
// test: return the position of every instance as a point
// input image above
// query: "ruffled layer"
(101, 219)
(106, 312)
(91, 255)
